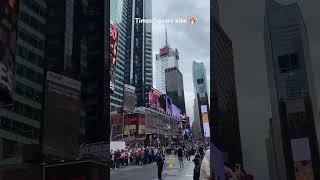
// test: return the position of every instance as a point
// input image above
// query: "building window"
(35, 7)
(26, 91)
(29, 73)
(30, 56)
(288, 62)
(200, 81)
(284, 63)
(19, 128)
(32, 22)
(27, 111)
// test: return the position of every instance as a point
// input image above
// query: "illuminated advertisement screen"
(134, 124)
(176, 111)
(113, 54)
(205, 120)
(154, 99)
(168, 105)
(163, 104)
(187, 131)
(164, 51)
(8, 37)
(302, 159)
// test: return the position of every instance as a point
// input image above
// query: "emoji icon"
(192, 20)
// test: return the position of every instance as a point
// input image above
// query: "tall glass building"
(174, 87)
(167, 58)
(291, 89)
(138, 72)
(199, 78)
(20, 123)
(225, 118)
(201, 92)
(119, 16)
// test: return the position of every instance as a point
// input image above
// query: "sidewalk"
(177, 173)
(131, 167)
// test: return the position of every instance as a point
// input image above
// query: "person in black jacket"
(160, 162)
(197, 166)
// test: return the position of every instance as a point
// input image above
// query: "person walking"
(155, 153)
(150, 155)
(112, 160)
(126, 157)
(142, 160)
(180, 156)
(160, 163)
(117, 155)
(146, 155)
(197, 166)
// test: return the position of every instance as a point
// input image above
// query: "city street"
(149, 172)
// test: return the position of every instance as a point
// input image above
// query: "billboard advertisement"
(134, 125)
(164, 51)
(8, 37)
(205, 120)
(163, 105)
(62, 115)
(168, 105)
(176, 111)
(154, 99)
(113, 54)
(302, 159)
(187, 132)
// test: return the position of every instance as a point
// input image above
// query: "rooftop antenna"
(165, 25)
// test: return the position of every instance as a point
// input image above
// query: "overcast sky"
(243, 21)
(192, 41)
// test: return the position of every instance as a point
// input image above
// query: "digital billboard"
(62, 115)
(113, 54)
(164, 51)
(8, 37)
(302, 159)
(176, 111)
(163, 104)
(205, 120)
(168, 105)
(154, 99)
(187, 133)
(134, 125)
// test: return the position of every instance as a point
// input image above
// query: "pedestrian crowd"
(140, 156)
(133, 156)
